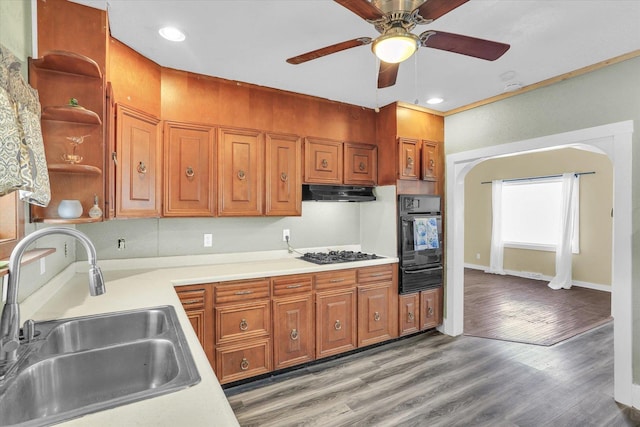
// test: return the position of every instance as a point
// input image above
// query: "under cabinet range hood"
(337, 193)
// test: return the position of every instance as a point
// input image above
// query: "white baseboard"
(537, 276)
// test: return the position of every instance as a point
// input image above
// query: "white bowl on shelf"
(70, 209)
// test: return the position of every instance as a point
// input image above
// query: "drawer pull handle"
(284, 177)
(189, 172)
(243, 292)
(325, 163)
(376, 316)
(410, 316)
(430, 311)
(241, 174)
(244, 365)
(336, 280)
(377, 274)
(362, 166)
(244, 325)
(299, 285)
(294, 334)
(142, 169)
(337, 326)
(191, 301)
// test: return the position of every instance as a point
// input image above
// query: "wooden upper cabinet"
(240, 172)
(189, 180)
(360, 164)
(408, 157)
(322, 161)
(430, 160)
(283, 183)
(138, 177)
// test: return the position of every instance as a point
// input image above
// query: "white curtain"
(496, 260)
(562, 279)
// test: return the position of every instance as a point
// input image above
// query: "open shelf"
(76, 168)
(67, 113)
(81, 220)
(68, 62)
(29, 257)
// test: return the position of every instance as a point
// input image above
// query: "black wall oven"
(419, 242)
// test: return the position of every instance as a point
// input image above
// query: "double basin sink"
(87, 364)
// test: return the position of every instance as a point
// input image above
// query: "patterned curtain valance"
(23, 165)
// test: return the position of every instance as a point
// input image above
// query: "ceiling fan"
(394, 20)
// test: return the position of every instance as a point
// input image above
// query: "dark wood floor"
(526, 310)
(436, 380)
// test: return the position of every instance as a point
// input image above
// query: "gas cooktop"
(334, 257)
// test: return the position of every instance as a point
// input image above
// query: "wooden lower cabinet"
(376, 311)
(243, 360)
(197, 303)
(293, 337)
(409, 313)
(335, 322)
(430, 308)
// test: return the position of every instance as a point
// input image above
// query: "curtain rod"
(539, 177)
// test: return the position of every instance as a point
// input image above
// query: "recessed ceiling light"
(512, 87)
(171, 33)
(434, 101)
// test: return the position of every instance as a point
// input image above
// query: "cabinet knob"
(432, 163)
(244, 364)
(410, 162)
(244, 325)
(430, 311)
(376, 316)
(284, 177)
(241, 174)
(189, 172)
(410, 316)
(325, 163)
(362, 166)
(142, 168)
(337, 326)
(294, 334)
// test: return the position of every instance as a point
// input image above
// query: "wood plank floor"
(435, 380)
(526, 310)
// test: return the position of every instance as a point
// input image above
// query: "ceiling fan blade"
(387, 74)
(328, 50)
(434, 9)
(464, 45)
(362, 8)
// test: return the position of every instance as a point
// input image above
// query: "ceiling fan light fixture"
(395, 46)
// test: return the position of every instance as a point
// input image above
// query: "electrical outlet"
(122, 244)
(286, 235)
(43, 266)
(208, 240)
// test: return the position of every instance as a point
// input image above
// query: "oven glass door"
(419, 253)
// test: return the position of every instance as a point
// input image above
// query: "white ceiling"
(249, 41)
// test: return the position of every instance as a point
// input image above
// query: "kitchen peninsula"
(133, 284)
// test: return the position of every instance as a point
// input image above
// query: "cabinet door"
(322, 161)
(335, 322)
(189, 170)
(283, 175)
(430, 161)
(430, 308)
(197, 303)
(138, 164)
(409, 313)
(374, 314)
(240, 175)
(408, 157)
(293, 339)
(360, 164)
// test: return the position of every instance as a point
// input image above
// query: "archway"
(614, 140)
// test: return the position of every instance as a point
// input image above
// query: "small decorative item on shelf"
(95, 211)
(74, 158)
(73, 102)
(70, 209)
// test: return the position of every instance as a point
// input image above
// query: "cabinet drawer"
(335, 279)
(236, 322)
(292, 285)
(192, 300)
(241, 291)
(379, 273)
(243, 361)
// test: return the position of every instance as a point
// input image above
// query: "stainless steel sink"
(102, 330)
(75, 367)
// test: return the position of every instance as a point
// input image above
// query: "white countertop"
(203, 404)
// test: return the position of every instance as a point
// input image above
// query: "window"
(531, 214)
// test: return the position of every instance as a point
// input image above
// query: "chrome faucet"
(10, 320)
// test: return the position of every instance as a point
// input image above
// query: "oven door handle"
(422, 270)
